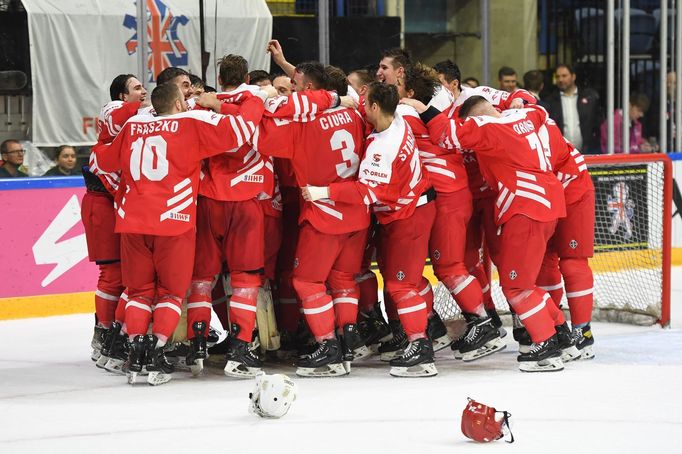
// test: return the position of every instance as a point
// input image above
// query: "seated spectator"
(66, 163)
(13, 156)
(360, 80)
(471, 82)
(639, 104)
(507, 79)
(534, 82)
(259, 77)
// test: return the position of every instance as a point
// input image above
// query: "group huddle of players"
(294, 194)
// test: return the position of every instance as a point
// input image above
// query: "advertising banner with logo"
(79, 46)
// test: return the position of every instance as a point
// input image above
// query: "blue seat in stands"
(591, 30)
(642, 30)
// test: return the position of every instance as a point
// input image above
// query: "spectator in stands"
(471, 82)
(639, 104)
(282, 84)
(360, 80)
(576, 112)
(66, 163)
(13, 156)
(259, 77)
(507, 79)
(534, 82)
(197, 84)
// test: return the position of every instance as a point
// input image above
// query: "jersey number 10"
(148, 158)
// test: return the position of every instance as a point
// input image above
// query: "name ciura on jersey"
(336, 119)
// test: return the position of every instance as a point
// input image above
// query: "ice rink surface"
(627, 400)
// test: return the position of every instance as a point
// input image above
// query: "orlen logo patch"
(373, 173)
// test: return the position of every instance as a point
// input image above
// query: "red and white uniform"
(391, 180)
(530, 199)
(332, 234)
(159, 158)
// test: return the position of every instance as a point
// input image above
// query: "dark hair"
(119, 86)
(400, 56)
(314, 72)
(168, 74)
(470, 104)
(258, 75)
(565, 65)
(233, 70)
(62, 148)
(372, 71)
(505, 71)
(164, 96)
(209, 89)
(533, 80)
(422, 80)
(336, 80)
(365, 77)
(469, 79)
(5, 144)
(640, 100)
(196, 81)
(449, 70)
(385, 95)
(274, 76)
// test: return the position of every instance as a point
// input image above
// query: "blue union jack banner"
(165, 48)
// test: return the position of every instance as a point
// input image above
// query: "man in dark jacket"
(576, 112)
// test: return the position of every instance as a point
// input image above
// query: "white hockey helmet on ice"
(272, 395)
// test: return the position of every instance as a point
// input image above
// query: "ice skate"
(374, 328)
(481, 339)
(326, 361)
(584, 341)
(136, 358)
(497, 321)
(353, 343)
(396, 344)
(118, 354)
(437, 332)
(159, 368)
(566, 343)
(542, 357)
(416, 360)
(97, 341)
(176, 353)
(108, 344)
(241, 362)
(212, 338)
(197, 349)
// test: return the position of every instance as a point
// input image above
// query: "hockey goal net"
(631, 264)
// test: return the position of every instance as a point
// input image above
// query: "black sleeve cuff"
(429, 114)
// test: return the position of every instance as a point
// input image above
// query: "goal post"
(631, 264)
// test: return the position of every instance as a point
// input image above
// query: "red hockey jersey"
(159, 158)
(513, 160)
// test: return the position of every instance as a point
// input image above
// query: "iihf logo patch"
(436, 254)
(296, 262)
(400, 275)
(512, 275)
(573, 244)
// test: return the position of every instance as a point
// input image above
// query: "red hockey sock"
(345, 295)
(579, 289)
(138, 315)
(555, 312)
(317, 308)
(109, 289)
(411, 308)
(199, 305)
(549, 278)
(369, 288)
(479, 273)
(426, 292)
(530, 305)
(466, 291)
(243, 303)
(120, 314)
(166, 316)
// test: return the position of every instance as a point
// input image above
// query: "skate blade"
(489, 348)
(420, 370)
(361, 353)
(115, 366)
(387, 356)
(587, 353)
(196, 368)
(441, 343)
(502, 331)
(546, 365)
(95, 355)
(132, 378)
(330, 370)
(157, 378)
(102, 361)
(458, 354)
(239, 370)
(569, 354)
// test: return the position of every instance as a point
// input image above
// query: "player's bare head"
(197, 84)
(282, 84)
(233, 70)
(383, 96)
(421, 82)
(449, 74)
(168, 99)
(178, 77)
(475, 106)
(534, 80)
(126, 87)
(392, 65)
(360, 80)
(336, 80)
(309, 75)
(259, 77)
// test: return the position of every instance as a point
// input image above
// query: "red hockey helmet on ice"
(483, 424)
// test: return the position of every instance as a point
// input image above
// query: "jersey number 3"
(342, 140)
(148, 158)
